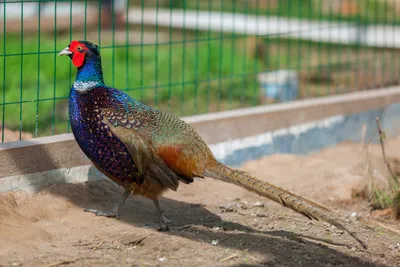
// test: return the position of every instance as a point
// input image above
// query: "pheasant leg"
(163, 220)
(114, 212)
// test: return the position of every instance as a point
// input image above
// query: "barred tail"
(284, 197)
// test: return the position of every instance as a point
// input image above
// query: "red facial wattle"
(79, 50)
(78, 58)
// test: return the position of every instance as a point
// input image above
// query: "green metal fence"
(191, 57)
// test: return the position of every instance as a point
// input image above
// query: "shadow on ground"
(283, 247)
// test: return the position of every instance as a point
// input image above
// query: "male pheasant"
(148, 151)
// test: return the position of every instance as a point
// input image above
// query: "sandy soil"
(49, 228)
(10, 135)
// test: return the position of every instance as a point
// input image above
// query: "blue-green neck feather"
(90, 75)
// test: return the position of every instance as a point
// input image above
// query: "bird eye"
(79, 48)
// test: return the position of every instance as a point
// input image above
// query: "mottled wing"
(125, 123)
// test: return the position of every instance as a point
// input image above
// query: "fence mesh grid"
(191, 57)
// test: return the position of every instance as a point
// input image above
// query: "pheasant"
(148, 151)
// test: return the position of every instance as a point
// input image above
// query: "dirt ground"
(10, 135)
(213, 224)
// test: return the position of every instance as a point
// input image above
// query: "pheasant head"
(80, 52)
(86, 57)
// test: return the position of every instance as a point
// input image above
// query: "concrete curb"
(234, 136)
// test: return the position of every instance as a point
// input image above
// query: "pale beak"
(65, 52)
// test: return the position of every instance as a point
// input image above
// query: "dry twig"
(381, 139)
(62, 262)
(96, 247)
(229, 257)
(136, 242)
(183, 227)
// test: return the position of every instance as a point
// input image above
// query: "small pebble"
(228, 208)
(354, 214)
(244, 205)
(394, 247)
(216, 228)
(241, 206)
(214, 242)
(162, 259)
(258, 204)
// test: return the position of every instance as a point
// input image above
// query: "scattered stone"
(353, 214)
(216, 229)
(228, 208)
(339, 232)
(162, 259)
(258, 204)
(214, 242)
(394, 247)
(243, 205)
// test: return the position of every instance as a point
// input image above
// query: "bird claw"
(166, 219)
(109, 214)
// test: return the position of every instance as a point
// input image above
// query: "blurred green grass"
(355, 11)
(184, 78)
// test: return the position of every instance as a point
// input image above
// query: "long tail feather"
(284, 197)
